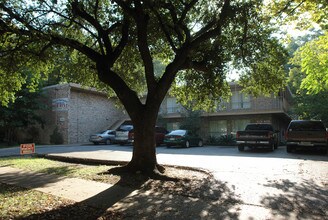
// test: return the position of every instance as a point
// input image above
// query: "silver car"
(106, 137)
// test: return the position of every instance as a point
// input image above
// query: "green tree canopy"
(307, 105)
(312, 58)
(21, 113)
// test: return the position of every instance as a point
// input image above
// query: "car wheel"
(200, 143)
(241, 148)
(95, 143)
(187, 144)
(108, 141)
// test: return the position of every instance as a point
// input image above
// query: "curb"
(88, 161)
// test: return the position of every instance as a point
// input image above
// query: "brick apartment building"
(78, 112)
(234, 115)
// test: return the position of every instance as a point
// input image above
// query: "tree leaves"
(313, 61)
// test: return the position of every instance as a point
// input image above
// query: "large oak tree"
(118, 41)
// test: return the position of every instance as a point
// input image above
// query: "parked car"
(257, 135)
(183, 138)
(307, 134)
(160, 133)
(106, 137)
(124, 135)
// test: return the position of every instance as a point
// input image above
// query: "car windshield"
(307, 126)
(254, 127)
(178, 132)
(125, 128)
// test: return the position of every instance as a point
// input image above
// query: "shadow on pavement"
(156, 199)
(210, 200)
(298, 200)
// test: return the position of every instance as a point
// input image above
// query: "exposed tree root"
(157, 173)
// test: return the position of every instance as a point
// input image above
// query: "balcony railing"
(255, 105)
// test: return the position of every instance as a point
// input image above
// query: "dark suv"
(306, 134)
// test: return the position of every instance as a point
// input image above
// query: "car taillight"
(286, 135)
(237, 135)
(131, 135)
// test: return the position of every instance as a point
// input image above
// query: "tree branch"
(142, 30)
(226, 12)
(123, 42)
(92, 54)
(165, 30)
(78, 10)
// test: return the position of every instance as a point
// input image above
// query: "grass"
(59, 168)
(20, 203)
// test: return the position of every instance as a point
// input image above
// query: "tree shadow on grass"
(136, 196)
(298, 200)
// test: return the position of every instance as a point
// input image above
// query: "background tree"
(309, 68)
(117, 42)
(21, 114)
(191, 120)
(312, 59)
(311, 56)
(308, 105)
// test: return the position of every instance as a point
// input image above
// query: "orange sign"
(27, 148)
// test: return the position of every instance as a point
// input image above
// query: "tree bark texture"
(144, 146)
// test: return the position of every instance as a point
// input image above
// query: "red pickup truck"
(308, 134)
(257, 135)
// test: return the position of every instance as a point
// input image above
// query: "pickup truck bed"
(257, 135)
(306, 134)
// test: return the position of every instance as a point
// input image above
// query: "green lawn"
(20, 203)
(59, 168)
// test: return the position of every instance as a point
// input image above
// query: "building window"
(218, 128)
(240, 100)
(222, 105)
(239, 125)
(172, 126)
(172, 105)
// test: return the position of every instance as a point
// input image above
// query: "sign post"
(27, 149)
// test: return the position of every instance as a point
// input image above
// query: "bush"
(227, 139)
(212, 140)
(56, 137)
(33, 135)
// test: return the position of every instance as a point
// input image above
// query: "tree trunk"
(144, 147)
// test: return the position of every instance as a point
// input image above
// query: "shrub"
(227, 139)
(56, 137)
